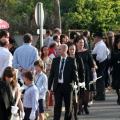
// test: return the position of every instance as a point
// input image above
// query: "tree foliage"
(93, 15)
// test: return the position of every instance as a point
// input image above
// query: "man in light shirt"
(25, 56)
(5, 56)
(100, 54)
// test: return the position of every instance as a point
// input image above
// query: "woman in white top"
(9, 75)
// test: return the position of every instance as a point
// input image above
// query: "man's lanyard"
(37, 79)
(28, 88)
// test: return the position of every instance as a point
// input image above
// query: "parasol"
(3, 24)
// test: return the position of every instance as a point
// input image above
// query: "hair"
(42, 54)
(29, 75)
(70, 46)
(79, 37)
(56, 30)
(11, 40)
(52, 45)
(49, 32)
(72, 35)
(61, 37)
(64, 46)
(40, 63)
(3, 43)
(55, 37)
(3, 33)
(27, 38)
(85, 33)
(110, 41)
(10, 73)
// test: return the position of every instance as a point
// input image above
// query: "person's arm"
(8, 62)
(44, 85)
(15, 61)
(81, 70)
(20, 105)
(51, 77)
(36, 57)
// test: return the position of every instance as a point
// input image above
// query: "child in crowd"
(31, 96)
(41, 83)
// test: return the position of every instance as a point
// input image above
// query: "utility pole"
(57, 14)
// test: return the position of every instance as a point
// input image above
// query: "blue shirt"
(31, 97)
(41, 82)
(24, 57)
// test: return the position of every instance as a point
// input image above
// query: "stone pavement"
(100, 110)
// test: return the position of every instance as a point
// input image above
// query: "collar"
(26, 43)
(40, 73)
(64, 57)
(101, 41)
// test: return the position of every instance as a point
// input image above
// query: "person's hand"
(14, 109)
(32, 116)
(94, 76)
(83, 85)
(108, 71)
(22, 115)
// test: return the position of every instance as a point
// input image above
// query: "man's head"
(29, 77)
(63, 48)
(98, 36)
(86, 34)
(57, 31)
(4, 34)
(27, 38)
(63, 39)
(4, 42)
(56, 38)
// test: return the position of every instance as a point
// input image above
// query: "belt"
(27, 108)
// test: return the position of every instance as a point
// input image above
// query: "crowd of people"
(30, 77)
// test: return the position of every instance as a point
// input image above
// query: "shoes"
(86, 110)
(100, 98)
(90, 103)
(75, 117)
(80, 112)
(118, 101)
(96, 96)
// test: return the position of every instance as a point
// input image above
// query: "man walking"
(63, 72)
(100, 53)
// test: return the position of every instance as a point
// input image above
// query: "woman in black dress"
(90, 72)
(115, 65)
(81, 73)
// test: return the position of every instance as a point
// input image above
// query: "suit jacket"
(70, 72)
(7, 99)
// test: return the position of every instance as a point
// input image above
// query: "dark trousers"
(100, 83)
(27, 114)
(63, 92)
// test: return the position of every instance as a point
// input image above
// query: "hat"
(98, 34)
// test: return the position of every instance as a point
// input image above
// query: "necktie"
(61, 69)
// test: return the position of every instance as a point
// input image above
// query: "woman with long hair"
(90, 72)
(9, 76)
(81, 74)
(47, 62)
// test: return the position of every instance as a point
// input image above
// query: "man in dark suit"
(63, 72)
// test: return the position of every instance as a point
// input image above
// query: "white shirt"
(62, 79)
(31, 98)
(5, 59)
(41, 82)
(101, 51)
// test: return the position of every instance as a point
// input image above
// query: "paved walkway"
(102, 110)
